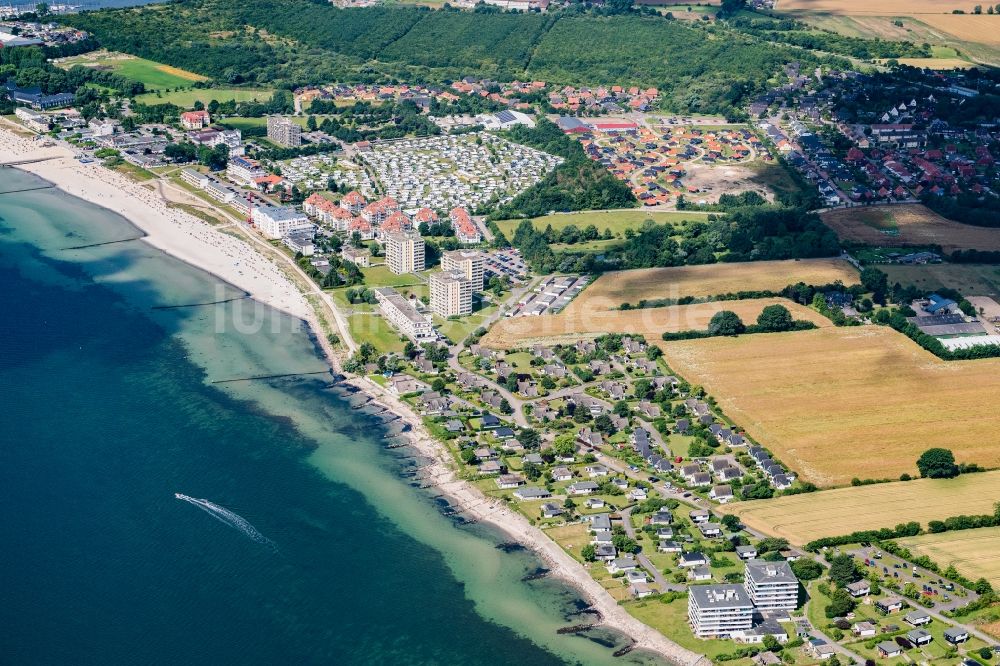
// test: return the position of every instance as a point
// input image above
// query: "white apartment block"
(718, 611)
(32, 119)
(771, 585)
(403, 316)
(470, 262)
(278, 221)
(283, 131)
(451, 293)
(243, 170)
(404, 252)
(195, 178)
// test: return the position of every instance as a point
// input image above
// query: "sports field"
(576, 323)
(616, 221)
(153, 75)
(908, 225)
(839, 403)
(975, 553)
(802, 518)
(612, 289)
(967, 279)
(186, 98)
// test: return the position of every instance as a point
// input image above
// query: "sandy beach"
(234, 260)
(174, 231)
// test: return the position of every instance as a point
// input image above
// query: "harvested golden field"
(908, 225)
(839, 403)
(573, 324)
(612, 289)
(876, 8)
(182, 73)
(937, 63)
(975, 553)
(982, 28)
(802, 518)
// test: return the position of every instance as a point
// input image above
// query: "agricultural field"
(967, 279)
(908, 225)
(575, 323)
(186, 98)
(975, 553)
(838, 403)
(966, 35)
(612, 289)
(802, 518)
(153, 75)
(876, 8)
(616, 221)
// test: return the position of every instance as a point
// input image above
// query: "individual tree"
(775, 318)
(604, 424)
(805, 569)
(876, 282)
(588, 552)
(529, 439)
(841, 603)
(771, 643)
(731, 522)
(937, 463)
(843, 572)
(725, 322)
(625, 543)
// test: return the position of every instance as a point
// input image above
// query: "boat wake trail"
(224, 515)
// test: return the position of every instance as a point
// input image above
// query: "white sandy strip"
(198, 243)
(172, 230)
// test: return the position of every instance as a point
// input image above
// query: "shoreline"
(208, 248)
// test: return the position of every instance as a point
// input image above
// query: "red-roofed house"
(465, 229)
(353, 202)
(193, 120)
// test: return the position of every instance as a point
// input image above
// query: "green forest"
(698, 67)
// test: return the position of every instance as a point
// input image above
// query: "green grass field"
(187, 98)
(615, 220)
(250, 123)
(967, 279)
(153, 75)
(376, 330)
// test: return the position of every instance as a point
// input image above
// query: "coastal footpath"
(236, 261)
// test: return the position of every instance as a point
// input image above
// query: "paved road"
(661, 582)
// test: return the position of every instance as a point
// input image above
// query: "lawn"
(186, 99)
(580, 322)
(381, 276)
(153, 75)
(802, 518)
(967, 279)
(376, 330)
(671, 620)
(975, 553)
(612, 289)
(617, 221)
(459, 329)
(838, 403)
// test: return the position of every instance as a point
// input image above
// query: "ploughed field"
(802, 518)
(975, 553)
(575, 323)
(908, 225)
(838, 403)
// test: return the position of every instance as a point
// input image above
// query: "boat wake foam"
(224, 515)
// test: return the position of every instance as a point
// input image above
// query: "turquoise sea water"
(109, 409)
